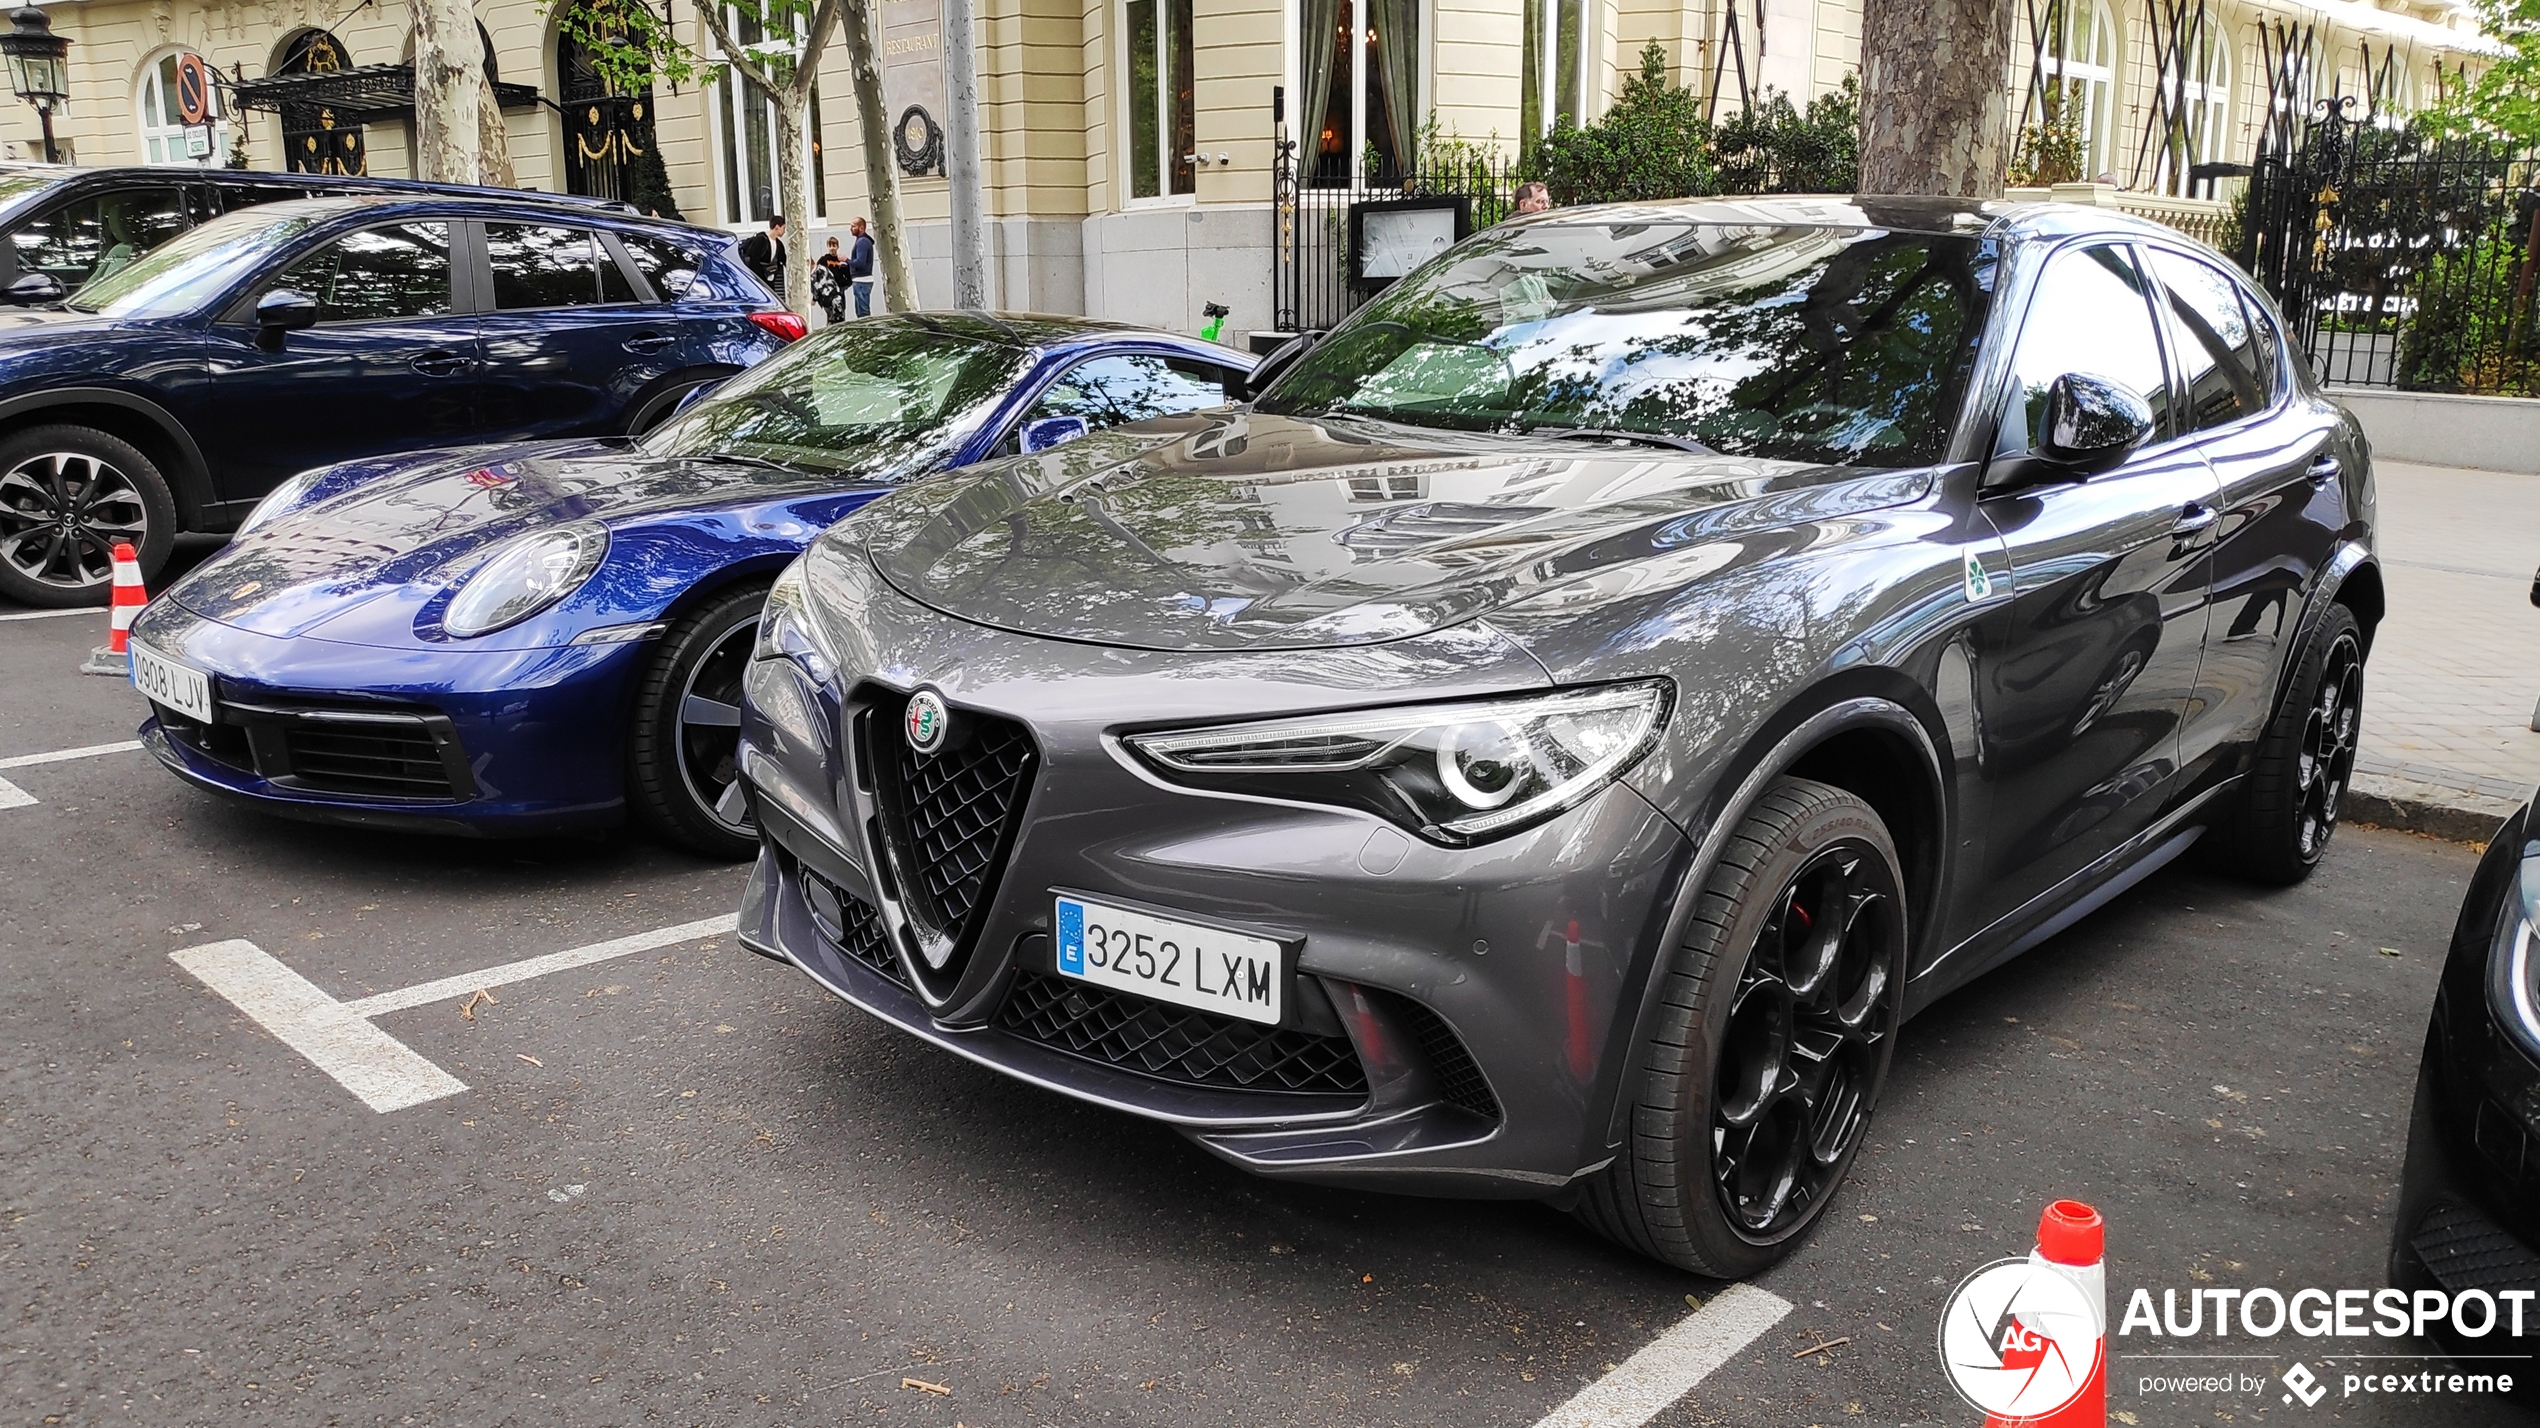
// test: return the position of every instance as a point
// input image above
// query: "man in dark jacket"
(764, 254)
(860, 268)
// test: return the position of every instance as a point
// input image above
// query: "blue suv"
(174, 392)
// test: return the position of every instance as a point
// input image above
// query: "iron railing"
(1309, 275)
(2400, 258)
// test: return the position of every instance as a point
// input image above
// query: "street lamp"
(38, 73)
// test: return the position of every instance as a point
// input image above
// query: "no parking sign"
(193, 89)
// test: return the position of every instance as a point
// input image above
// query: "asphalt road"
(683, 1186)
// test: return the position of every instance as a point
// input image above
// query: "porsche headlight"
(280, 499)
(525, 577)
(786, 631)
(2513, 963)
(1455, 774)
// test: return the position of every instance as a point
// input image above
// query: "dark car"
(174, 392)
(531, 639)
(2469, 1194)
(66, 227)
(1548, 744)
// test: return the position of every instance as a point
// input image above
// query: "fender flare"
(190, 482)
(664, 391)
(1844, 714)
(2349, 557)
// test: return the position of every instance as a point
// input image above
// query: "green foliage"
(1655, 144)
(2049, 150)
(2505, 100)
(2474, 328)
(629, 44)
(1449, 163)
(1651, 144)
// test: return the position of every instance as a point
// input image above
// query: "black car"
(176, 391)
(73, 226)
(2469, 1195)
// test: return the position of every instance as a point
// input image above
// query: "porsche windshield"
(1815, 344)
(861, 397)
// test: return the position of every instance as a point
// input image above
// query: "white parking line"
(338, 1037)
(1668, 1369)
(89, 610)
(12, 796)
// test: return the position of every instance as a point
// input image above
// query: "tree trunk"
(1935, 102)
(793, 196)
(858, 25)
(449, 73)
(493, 143)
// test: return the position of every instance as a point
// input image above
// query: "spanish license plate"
(163, 680)
(1206, 968)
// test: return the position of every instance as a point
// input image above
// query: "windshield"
(1822, 345)
(196, 266)
(860, 397)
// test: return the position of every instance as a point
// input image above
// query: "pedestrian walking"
(860, 268)
(764, 254)
(829, 282)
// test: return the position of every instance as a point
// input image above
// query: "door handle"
(441, 364)
(2324, 468)
(2195, 519)
(647, 342)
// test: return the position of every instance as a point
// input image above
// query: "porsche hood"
(1245, 531)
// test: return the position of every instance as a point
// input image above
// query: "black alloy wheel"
(1773, 1034)
(1809, 1033)
(68, 496)
(683, 766)
(2305, 761)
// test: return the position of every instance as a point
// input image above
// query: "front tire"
(1772, 1041)
(68, 495)
(683, 749)
(2305, 760)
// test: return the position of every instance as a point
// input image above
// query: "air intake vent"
(1460, 1079)
(1177, 1044)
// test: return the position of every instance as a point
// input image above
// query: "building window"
(1360, 81)
(746, 114)
(2081, 55)
(1163, 112)
(163, 136)
(1555, 67)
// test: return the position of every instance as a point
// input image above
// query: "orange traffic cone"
(2072, 1242)
(115, 656)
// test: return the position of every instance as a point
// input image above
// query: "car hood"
(437, 519)
(1233, 531)
(45, 324)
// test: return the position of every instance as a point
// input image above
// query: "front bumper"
(1483, 996)
(494, 743)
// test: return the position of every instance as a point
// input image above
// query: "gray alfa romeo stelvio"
(1548, 742)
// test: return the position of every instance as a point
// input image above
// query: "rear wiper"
(1607, 433)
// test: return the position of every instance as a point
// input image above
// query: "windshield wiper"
(743, 459)
(1608, 433)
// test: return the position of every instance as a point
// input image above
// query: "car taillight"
(783, 324)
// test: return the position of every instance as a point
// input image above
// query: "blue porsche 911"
(535, 638)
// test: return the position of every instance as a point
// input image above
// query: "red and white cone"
(2072, 1241)
(115, 656)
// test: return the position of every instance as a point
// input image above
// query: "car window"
(2266, 342)
(2217, 347)
(99, 235)
(2091, 314)
(1111, 391)
(667, 266)
(399, 270)
(881, 399)
(614, 284)
(536, 265)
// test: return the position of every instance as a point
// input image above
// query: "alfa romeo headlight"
(2513, 964)
(1455, 774)
(525, 577)
(785, 628)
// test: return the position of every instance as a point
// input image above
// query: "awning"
(370, 92)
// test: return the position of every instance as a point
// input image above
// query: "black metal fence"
(1309, 275)
(2401, 259)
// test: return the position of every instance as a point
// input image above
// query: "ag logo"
(927, 721)
(2018, 1340)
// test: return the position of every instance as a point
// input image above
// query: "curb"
(2408, 806)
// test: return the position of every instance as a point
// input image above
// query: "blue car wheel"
(682, 771)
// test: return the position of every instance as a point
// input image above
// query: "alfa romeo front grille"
(1173, 1043)
(948, 818)
(2463, 1250)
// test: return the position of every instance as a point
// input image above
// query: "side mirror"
(1047, 432)
(2091, 424)
(35, 290)
(284, 310)
(1287, 354)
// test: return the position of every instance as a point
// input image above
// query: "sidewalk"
(2447, 743)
